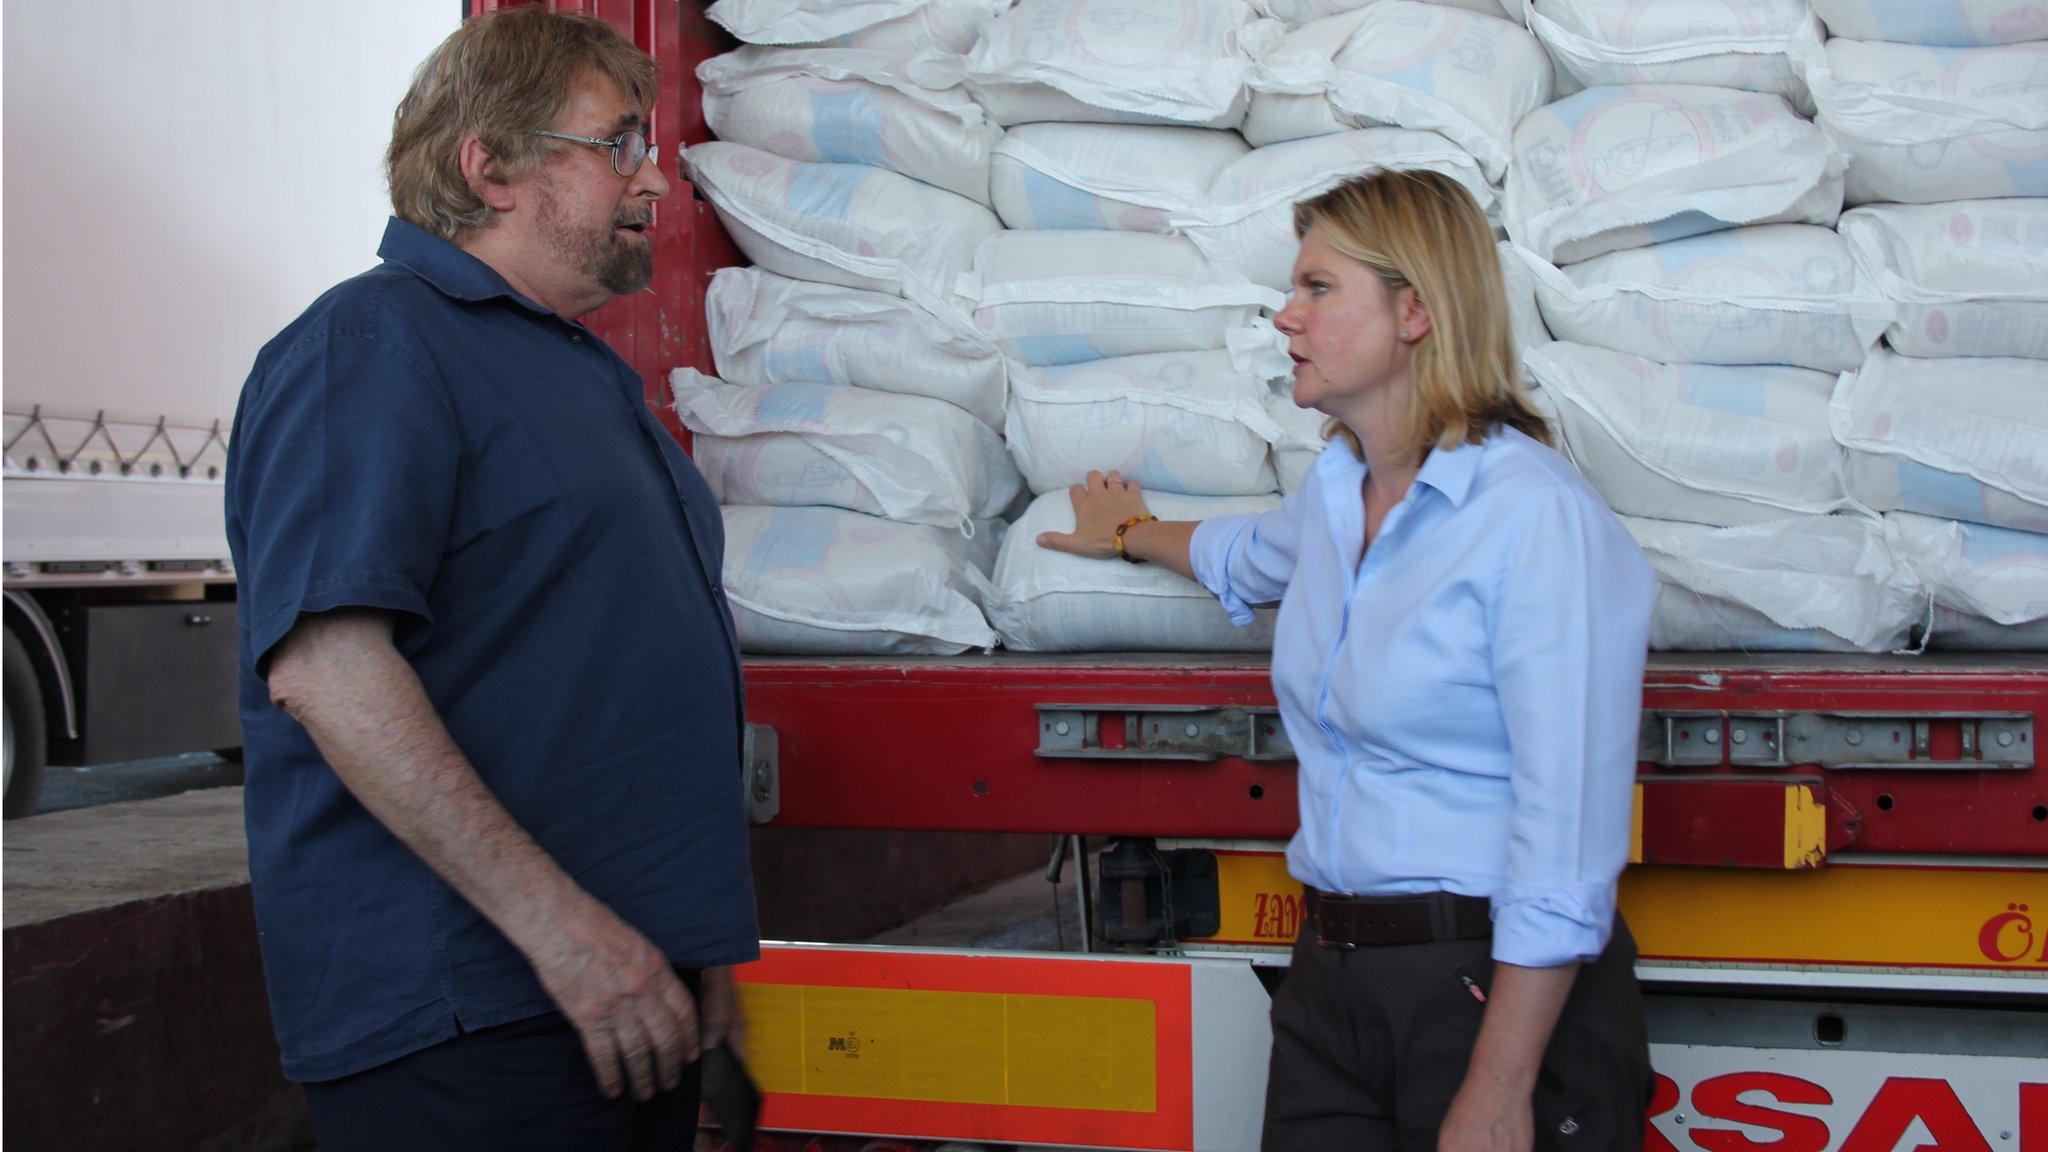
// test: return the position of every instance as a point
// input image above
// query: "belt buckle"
(1322, 941)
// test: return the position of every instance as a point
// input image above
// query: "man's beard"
(620, 266)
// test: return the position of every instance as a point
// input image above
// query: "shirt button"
(575, 337)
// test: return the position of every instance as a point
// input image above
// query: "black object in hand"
(734, 1100)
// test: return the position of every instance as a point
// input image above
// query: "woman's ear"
(480, 172)
(1413, 312)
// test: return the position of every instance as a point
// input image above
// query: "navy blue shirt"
(427, 441)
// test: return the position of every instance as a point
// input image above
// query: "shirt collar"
(1448, 470)
(1451, 470)
(447, 267)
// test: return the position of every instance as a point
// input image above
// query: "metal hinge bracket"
(1160, 732)
(759, 757)
(1996, 741)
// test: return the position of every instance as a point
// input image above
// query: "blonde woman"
(1458, 659)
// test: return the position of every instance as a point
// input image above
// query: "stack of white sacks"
(998, 245)
(1798, 482)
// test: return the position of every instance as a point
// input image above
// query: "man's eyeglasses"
(629, 149)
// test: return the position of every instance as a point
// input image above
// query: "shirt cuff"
(1547, 929)
(1209, 552)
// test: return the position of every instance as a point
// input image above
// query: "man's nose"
(649, 181)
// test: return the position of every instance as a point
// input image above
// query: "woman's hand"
(1488, 1117)
(1101, 503)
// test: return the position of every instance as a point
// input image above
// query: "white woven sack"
(1620, 167)
(1755, 45)
(1247, 220)
(1171, 62)
(1525, 315)
(904, 457)
(1701, 443)
(827, 582)
(1892, 483)
(803, 21)
(1064, 297)
(769, 329)
(1808, 583)
(845, 224)
(1468, 77)
(1295, 13)
(849, 106)
(1127, 177)
(941, 27)
(1963, 439)
(1047, 601)
(1186, 422)
(1954, 630)
(1289, 86)
(1953, 23)
(943, 23)
(1768, 294)
(1968, 278)
(1922, 125)
(1300, 438)
(1997, 575)
(1430, 67)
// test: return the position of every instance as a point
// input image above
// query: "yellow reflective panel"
(1088, 1052)
(1841, 914)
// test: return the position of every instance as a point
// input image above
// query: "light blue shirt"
(1464, 702)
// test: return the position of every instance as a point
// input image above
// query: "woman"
(1458, 659)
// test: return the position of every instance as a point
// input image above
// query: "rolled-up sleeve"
(1570, 626)
(346, 466)
(1246, 561)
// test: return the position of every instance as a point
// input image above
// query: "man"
(490, 687)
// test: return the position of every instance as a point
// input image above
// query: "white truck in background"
(181, 181)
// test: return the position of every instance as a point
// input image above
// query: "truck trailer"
(1838, 871)
(193, 247)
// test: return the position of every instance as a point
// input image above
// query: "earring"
(1407, 336)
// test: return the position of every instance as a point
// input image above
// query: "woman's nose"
(1288, 320)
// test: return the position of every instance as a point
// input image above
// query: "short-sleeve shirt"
(427, 441)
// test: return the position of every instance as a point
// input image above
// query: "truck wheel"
(27, 729)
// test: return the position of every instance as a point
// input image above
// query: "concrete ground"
(1023, 913)
(65, 788)
(65, 863)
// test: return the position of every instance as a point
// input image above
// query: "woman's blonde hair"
(498, 75)
(1422, 229)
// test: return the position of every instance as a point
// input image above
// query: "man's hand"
(624, 1000)
(724, 1023)
(1488, 1117)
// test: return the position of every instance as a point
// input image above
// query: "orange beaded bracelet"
(1125, 527)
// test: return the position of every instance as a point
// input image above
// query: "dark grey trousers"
(1370, 1045)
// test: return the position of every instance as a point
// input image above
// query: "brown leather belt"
(1379, 921)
